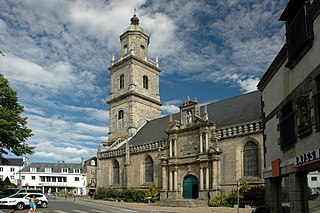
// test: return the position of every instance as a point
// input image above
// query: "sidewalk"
(155, 208)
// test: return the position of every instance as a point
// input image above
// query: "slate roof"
(235, 110)
(88, 162)
(55, 167)
(12, 162)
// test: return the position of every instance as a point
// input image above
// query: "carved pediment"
(173, 126)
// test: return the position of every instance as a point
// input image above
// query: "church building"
(199, 152)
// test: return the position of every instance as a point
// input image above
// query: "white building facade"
(54, 177)
(11, 170)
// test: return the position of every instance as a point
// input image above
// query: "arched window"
(93, 163)
(148, 169)
(145, 82)
(121, 81)
(251, 159)
(125, 49)
(120, 120)
(116, 175)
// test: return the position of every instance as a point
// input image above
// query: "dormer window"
(299, 30)
(33, 169)
(64, 170)
(145, 82)
(76, 171)
(47, 170)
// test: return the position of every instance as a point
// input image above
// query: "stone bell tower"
(134, 91)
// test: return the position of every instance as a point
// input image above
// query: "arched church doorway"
(190, 187)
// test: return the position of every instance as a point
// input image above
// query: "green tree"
(153, 194)
(2, 53)
(13, 127)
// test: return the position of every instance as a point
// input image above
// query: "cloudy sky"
(57, 55)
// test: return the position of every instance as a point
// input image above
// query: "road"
(77, 206)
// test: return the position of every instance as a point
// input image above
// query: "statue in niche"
(189, 117)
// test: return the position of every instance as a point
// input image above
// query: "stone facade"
(290, 96)
(199, 152)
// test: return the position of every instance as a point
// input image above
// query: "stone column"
(207, 142)
(170, 148)
(215, 174)
(176, 179)
(207, 177)
(170, 180)
(201, 145)
(201, 178)
(175, 147)
(164, 177)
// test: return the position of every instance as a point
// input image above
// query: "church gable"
(239, 110)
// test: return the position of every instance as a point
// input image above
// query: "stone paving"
(154, 208)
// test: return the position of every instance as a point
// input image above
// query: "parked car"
(12, 191)
(21, 200)
(261, 209)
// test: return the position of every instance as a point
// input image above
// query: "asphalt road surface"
(76, 206)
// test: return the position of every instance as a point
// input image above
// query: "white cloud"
(249, 84)
(169, 109)
(56, 76)
(57, 54)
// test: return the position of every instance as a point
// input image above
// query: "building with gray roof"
(197, 153)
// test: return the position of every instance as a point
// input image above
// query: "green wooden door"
(190, 187)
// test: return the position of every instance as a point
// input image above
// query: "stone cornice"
(133, 93)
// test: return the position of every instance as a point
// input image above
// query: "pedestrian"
(33, 204)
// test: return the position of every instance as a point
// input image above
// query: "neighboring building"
(291, 108)
(201, 151)
(53, 177)
(90, 166)
(12, 168)
(314, 182)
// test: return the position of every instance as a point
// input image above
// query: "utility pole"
(238, 198)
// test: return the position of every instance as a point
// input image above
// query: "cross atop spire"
(134, 20)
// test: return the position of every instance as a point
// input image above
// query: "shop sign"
(308, 157)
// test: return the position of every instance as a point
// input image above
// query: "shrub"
(108, 194)
(218, 201)
(232, 198)
(256, 195)
(153, 193)
(134, 195)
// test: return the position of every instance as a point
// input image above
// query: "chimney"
(82, 162)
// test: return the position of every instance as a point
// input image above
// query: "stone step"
(182, 203)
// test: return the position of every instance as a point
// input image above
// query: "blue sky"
(58, 52)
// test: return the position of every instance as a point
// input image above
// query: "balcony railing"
(299, 32)
(287, 132)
